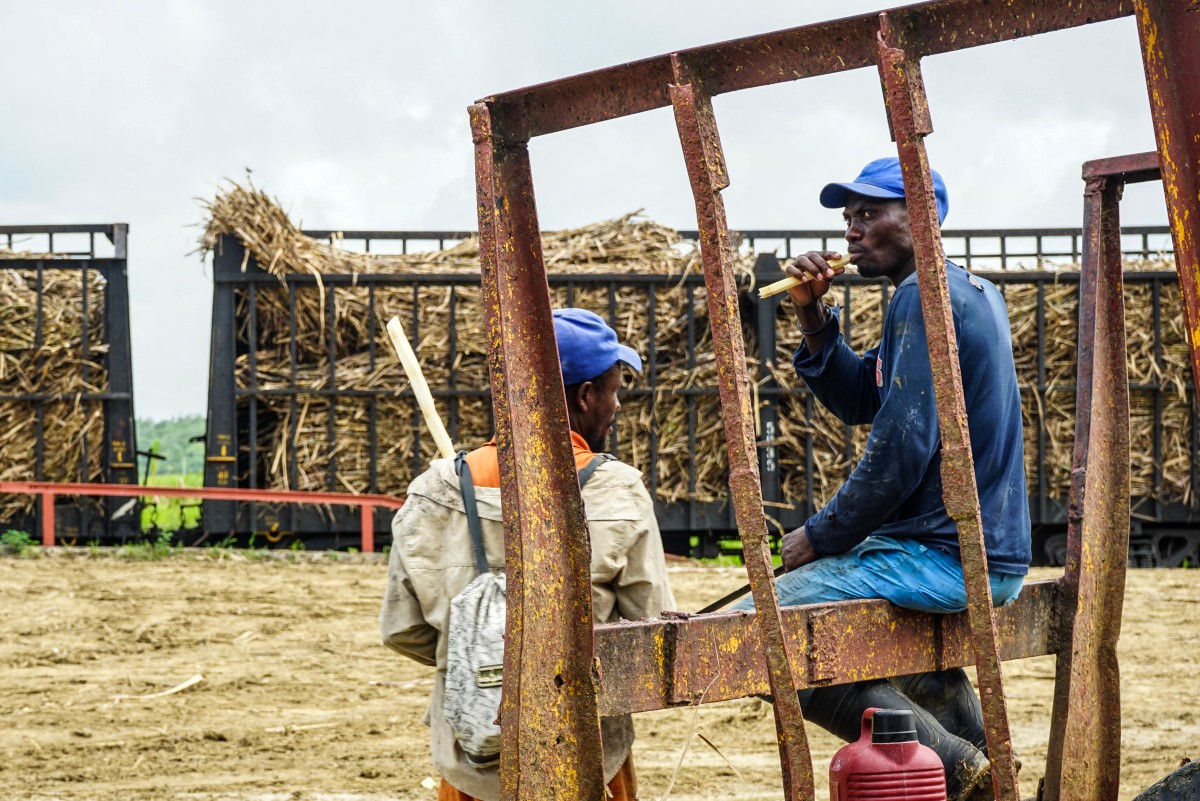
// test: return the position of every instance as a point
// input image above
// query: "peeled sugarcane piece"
(412, 368)
(784, 284)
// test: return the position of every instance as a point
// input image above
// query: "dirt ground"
(299, 701)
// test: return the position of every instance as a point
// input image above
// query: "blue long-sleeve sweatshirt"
(896, 488)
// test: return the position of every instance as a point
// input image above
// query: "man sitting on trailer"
(886, 532)
(431, 558)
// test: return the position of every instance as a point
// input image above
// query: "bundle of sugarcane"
(1161, 473)
(679, 427)
(446, 326)
(43, 373)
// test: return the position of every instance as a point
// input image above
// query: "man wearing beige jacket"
(431, 559)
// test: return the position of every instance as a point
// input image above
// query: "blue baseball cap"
(587, 347)
(882, 178)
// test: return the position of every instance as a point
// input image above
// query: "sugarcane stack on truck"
(560, 675)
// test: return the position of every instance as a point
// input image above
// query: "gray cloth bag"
(475, 639)
(474, 667)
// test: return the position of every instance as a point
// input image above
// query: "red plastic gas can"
(887, 763)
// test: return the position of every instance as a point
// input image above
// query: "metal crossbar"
(30, 238)
(48, 492)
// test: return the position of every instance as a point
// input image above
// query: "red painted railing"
(48, 491)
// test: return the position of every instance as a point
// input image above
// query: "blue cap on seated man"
(884, 179)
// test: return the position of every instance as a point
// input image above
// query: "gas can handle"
(868, 723)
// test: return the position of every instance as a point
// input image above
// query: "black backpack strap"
(467, 487)
(597, 460)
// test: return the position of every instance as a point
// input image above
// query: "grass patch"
(18, 542)
(159, 548)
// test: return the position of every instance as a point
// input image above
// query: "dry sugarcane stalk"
(412, 368)
(52, 364)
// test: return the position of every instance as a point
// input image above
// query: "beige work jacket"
(431, 562)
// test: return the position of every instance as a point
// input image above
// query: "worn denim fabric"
(902, 571)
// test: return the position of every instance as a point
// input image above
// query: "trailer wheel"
(1173, 547)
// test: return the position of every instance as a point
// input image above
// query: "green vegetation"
(154, 550)
(181, 466)
(170, 439)
(171, 514)
(728, 553)
(17, 541)
(176, 480)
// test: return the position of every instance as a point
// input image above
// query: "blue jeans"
(904, 572)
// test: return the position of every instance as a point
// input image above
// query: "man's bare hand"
(813, 266)
(796, 549)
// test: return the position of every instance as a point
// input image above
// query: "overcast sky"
(354, 115)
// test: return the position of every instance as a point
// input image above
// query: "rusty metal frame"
(1086, 720)
(683, 660)
(1169, 31)
(552, 684)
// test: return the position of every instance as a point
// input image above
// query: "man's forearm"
(813, 320)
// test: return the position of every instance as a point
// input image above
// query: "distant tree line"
(170, 438)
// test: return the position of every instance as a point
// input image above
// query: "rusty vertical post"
(1170, 35)
(550, 724)
(708, 175)
(1083, 760)
(908, 115)
(1088, 277)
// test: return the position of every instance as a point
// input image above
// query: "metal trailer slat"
(908, 114)
(651, 369)
(252, 473)
(1040, 391)
(451, 359)
(414, 334)
(691, 523)
(373, 404)
(119, 449)
(221, 429)
(708, 175)
(39, 340)
(293, 421)
(85, 528)
(550, 596)
(331, 483)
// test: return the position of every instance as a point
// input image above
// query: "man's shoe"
(973, 781)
